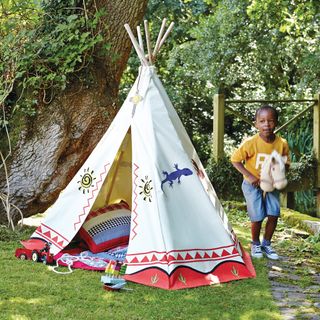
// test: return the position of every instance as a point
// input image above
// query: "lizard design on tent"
(170, 177)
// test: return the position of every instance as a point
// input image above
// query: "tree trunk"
(56, 142)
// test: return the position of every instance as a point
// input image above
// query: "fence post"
(284, 199)
(218, 126)
(316, 147)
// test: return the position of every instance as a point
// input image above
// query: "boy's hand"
(254, 180)
(250, 177)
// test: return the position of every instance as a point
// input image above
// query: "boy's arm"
(241, 168)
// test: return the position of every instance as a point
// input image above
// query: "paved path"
(295, 279)
(294, 301)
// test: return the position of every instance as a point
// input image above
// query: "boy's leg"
(255, 231)
(270, 227)
(273, 211)
(256, 251)
(256, 212)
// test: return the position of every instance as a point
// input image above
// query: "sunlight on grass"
(189, 297)
(253, 315)
(149, 298)
(19, 317)
(240, 233)
(33, 301)
(109, 296)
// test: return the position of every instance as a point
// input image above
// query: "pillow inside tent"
(107, 227)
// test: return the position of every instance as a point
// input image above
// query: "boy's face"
(266, 123)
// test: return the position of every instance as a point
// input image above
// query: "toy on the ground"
(113, 280)
(35, 250)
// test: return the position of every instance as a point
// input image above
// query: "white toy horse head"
(273, 173)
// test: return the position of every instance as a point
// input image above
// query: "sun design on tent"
(86, 180)
(146, 189)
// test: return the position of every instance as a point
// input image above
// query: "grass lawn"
(31, 291)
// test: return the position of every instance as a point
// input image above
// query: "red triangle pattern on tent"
(47, 234)
(134, 260)
(198, 256)
(225, 253)
(52, 236)
(235, 251)
(60, 243)
(188, 257)
(145, 259)
(154, 258)
(164, 258)
(181, 256)
(214, 255)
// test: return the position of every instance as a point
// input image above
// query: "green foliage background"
(44, 46)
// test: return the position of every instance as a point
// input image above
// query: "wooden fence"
(221, 105)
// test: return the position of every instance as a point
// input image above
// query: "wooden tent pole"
(136, 45)
(159, 37)
(140, 39)
(165, 36)
(146, 30)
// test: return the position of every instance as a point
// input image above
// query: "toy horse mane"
(273, 173)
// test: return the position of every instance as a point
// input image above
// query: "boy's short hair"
(267, 107)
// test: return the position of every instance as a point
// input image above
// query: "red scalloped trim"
(183, 277)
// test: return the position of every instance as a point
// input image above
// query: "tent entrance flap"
(117, 185)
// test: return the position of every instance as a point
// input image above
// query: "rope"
(69, 260)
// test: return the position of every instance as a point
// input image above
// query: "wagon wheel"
(35, 256)
(23, 256)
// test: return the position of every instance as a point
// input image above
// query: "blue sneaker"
(256, 251)
(269, 252)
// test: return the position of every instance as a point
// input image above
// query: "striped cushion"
(107, 227)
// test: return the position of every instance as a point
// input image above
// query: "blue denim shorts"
(259, 207)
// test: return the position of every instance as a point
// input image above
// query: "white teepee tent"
(179, 235)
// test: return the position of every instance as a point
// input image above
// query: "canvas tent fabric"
(179, 235)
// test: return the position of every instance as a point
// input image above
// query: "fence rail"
(271, 101)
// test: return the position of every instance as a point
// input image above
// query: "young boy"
(248, 159)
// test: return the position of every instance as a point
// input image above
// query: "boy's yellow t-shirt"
(254, 150)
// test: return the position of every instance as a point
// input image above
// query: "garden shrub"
(225, 179)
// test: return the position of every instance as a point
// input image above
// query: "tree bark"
(56, 142)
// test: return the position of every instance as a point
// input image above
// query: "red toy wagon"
(36, 250)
